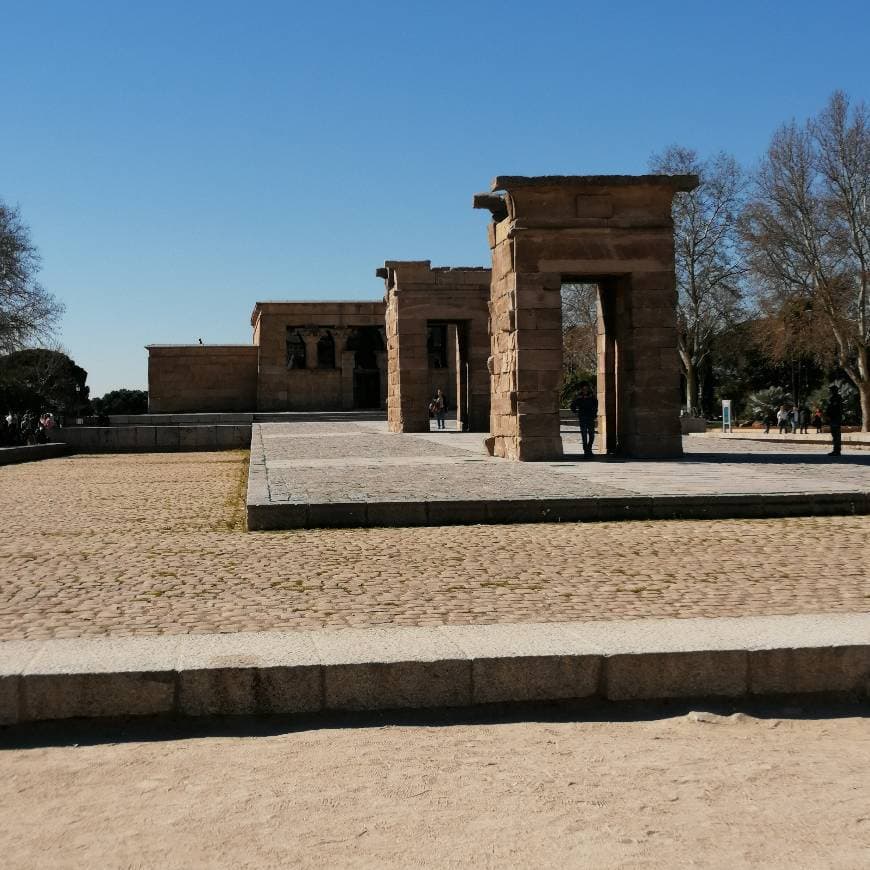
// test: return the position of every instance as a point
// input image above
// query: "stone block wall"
(280, 388)
(184, 378)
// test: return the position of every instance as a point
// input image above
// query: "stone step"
(434, 667)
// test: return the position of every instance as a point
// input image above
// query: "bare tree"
(579, 328)
(28, 312)
(807, 227)
(709, 267)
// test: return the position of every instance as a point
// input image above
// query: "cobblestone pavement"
(342, 462)
(154, 544)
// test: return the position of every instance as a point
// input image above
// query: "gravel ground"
(154, 544)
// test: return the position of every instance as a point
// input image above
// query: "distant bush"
(763, 404)
(122, 402)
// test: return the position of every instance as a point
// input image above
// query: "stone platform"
(32, 452)
(446, 666)
(311, 474)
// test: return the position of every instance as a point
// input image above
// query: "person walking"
(835, 418)
(585, 406)
(782, 420)
(438, 406)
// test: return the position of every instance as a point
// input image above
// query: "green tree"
(40, 380)
(122, 402)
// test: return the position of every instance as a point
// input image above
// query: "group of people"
(26, 428)
(796, 419)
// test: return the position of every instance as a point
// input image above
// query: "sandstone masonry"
(617, 232)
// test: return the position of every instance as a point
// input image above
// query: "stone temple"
(490, 338)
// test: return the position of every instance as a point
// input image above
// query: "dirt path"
(683, 792)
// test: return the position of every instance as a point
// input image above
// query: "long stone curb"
(444, 666)
(264, 515)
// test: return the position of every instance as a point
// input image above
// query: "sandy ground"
(688, 791)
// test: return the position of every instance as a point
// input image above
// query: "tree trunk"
(864, 395)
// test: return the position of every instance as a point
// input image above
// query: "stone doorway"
(437, 336)
(612, 230)
(367, 346)
(366, 388)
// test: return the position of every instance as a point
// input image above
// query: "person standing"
(782, 420)
(438, 406)
(817, 420)
(804, 419)
(585, 406)
(835, 418)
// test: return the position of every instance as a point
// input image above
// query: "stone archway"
(421, 299)
(613, 230)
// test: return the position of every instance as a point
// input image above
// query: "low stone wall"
(229, 418)
(155, 439)
(693, 425)
(31, 453)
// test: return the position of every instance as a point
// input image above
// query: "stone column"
(648, 366)
(606, 440)
(344, 360)
(381, 358)
(311, 336)
(526, 342)
(459, 351)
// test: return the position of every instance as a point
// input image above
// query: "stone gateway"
(615, 231)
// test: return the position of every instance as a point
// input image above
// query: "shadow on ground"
(79, 732)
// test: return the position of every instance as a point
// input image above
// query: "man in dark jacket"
(835, 418)
(585, 406)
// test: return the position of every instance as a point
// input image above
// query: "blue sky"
(178, 161)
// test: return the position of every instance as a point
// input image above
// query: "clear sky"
(178, 161)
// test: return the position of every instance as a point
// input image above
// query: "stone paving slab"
(307, 475)
(395, 668)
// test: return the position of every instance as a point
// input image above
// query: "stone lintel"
(683, 183)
